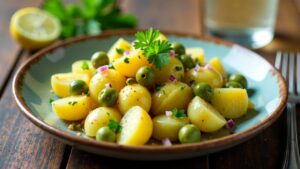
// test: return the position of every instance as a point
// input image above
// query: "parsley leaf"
(120, 51)
(126, 60)
(85, 66)
(156, 51)
(114, 126)
(72, 103)
(178, 113)
(51, 100)
(178, 68)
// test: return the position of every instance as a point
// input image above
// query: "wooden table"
(23, 145)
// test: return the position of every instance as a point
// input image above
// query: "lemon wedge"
(33, 28)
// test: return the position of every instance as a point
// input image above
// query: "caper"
(178, 48)
(107, 96)
(189, 134)
(233, 84)
(78, 87)
(204, 91)
(240, 79)
(105, 134)
(145, 76)
(187, 61)
(99, 59)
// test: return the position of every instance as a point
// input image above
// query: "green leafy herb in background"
(88, 17)
(155, 50)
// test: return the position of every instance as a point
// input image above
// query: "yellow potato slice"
(217, 65)
(72, 108)
(230, 102)
(99, 118)
(60, 83)
(204, 116)
(136, 127)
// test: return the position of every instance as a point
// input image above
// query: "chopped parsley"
(126, 60)
(111, 66)
(85, 66)
(178, 68)
(72, 103)
(114, 126)
(51, 100)
(178, 113)
(155, 50)
(158, 87)
(120, 51)
(182, 87)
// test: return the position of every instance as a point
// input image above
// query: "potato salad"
(149, 89)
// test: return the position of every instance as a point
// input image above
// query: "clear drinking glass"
(247, 22)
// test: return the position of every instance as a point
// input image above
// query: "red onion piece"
(230, 124)
(108, 85)
(172, 53)
(102, 68)
(166, 142)
(168, 113)
(172, 78)
(208, 67)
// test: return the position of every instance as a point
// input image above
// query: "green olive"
(204, 91)
(189, 134)
(178, 48)
(78, 87)
(145, 76)
(187, 61)
(99, 59)
(130, 81)
(240, 79)
(233, 84)
(105, 134)
(107, 96)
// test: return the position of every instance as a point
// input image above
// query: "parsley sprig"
(155, 50)
(114, 126)
(178, 113)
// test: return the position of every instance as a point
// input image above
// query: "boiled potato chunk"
(174, 68)
(119, 44)
(171, 95)
(134, 95)
(60, 83)
(204, 116)
(211, 77)
(72, 108)
(197, 54)
(167, 127)
(217, 65)
(230, 102)
(111, 76)
(83, 66)
(99, 118)
(136, 126)
(129, 64)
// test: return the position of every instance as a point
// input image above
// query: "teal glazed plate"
(267, 90)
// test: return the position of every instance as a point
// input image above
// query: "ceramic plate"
(32, 87)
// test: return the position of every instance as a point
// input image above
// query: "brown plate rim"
(225, 141)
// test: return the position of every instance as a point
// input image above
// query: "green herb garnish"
(178, 113)
(156, 51)
(88, 17)
(158, 87)
(114, 126)
(111, 66)
(51, 100)
(126, 60)
(72, 103)
(178, 68)
(182, 87)
(120, 51)
(85, 66)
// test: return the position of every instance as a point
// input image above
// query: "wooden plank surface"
(23, 145)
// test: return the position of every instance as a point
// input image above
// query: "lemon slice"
(34, 28)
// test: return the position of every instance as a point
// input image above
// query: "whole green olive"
(105, 134)
(107, 96)
(204, 91)
(187, 61)
(189, 134)
(78, 87)
(99, 59)
(178, 48)
(233, 84)
(240, 79)
(145, 76)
